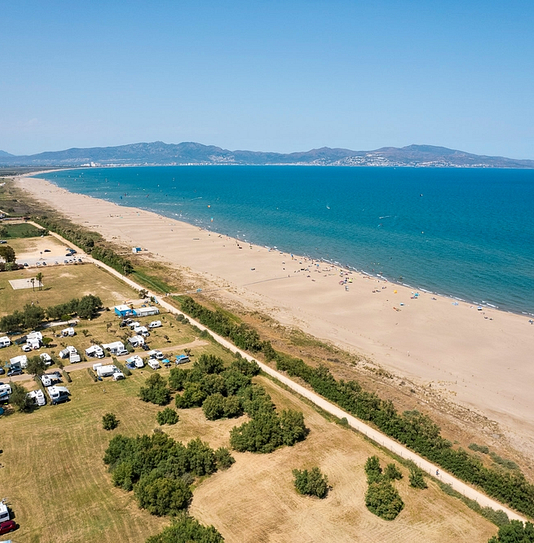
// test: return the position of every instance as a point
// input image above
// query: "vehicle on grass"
(38, 397)
(46, 358)
(4, 512)
(16, 371)
(182, 359)
(7, 526)
(5, 388)
(155, 324)
(26, 348)
(142, 331)
(134, 324)
(48, 379)
(67, 352)
(4, 342)
(136, 341)
(105, 371)
(116, 348)
(2, 371)
(153, 363)
(58, 394)
(68, 332)
(95, 351)
(118, 375)
(156, 354)
(145, 347)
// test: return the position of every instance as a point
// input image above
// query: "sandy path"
(480, 359)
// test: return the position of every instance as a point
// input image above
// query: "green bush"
(383, 500)
(514, 532)
(185, 529)
(92, 374)
(392, 472)
(109, 421)
(311, 483)
(167, 416)
(373, 469)
(223, 458)
(156, 390)
(161, 495)
(416, 478)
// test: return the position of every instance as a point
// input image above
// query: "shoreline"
(476, 358)
(462, 296)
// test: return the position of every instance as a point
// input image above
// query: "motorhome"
(135, 362)
(116, 348)
(4, 512)
(106, 371)
(95, 351)
(136, 341)
(156, 354)
(68, 332)
(38, 397)
(50, 378)
(155, 324)
(18, 362)
(58, 394)
(4, 342)
(46, 358)
(153, 363)
(67, 352)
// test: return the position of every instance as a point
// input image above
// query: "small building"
(146, 311)
(124, 311)
(4, 342)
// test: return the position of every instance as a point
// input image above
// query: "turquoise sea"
(466, 233)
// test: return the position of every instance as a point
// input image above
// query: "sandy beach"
(481, 359)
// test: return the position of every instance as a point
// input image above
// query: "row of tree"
(186, 529)
(417, 431)
(161, 470)
(33, 315)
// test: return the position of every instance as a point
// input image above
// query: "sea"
(463, 233)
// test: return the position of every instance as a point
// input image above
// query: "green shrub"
(223, 458)
(392, 472)
(167, 416)
(66, 376)
(383, 500)
(156, 390)
(92, 374)
(373, 469)
(186, 529)
(514, 532)
(109, 421)
(161, 495)
(311, 483)
(416, 478)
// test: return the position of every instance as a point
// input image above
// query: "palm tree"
(39, 278)
(32, 281)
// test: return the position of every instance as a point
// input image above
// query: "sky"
(274, 75)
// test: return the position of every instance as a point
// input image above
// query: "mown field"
(60, 490)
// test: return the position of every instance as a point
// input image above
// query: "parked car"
(7, 526)
(46, 251)
(145, 347)
(16, 371)
(2, 371)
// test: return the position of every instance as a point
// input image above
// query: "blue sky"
(273, 76)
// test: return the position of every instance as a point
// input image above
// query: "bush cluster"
(167, 416)
(161, 470)
(311, 483)
(514, 532)
(156, 390)
(382, 497)
(185, 529)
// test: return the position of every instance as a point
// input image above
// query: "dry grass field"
(61, 492)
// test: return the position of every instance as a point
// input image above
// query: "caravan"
(5, 342)
(58, 394)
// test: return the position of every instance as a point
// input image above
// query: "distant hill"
(159, 153)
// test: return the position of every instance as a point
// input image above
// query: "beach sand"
(481, 359)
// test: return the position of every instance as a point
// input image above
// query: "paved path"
(355, 423)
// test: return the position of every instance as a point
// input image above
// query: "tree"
(186, 529)
(383, 500)
(8, 253)
(311, 483)
(156, 390)
(36, 366)
(19, 398)
(88, 306)
(373, 469)
(162, 495)
(33, 315)
(109, 421)
(32, 281)
(392, 472)
(39, 279)
(515, 532)
(416, 478)
(223, 458)
(167, 416)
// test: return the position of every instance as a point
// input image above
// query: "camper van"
(58, 394)
(4, 512)
(155, 324)
(5, 342)
(38, 397)
(153, 363)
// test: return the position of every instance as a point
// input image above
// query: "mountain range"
(159, 153)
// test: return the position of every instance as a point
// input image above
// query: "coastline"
(479, 359)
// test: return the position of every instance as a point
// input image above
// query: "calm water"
(460, 232)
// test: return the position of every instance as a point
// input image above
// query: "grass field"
(62, 283)
(60, 490)
(18, 230)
